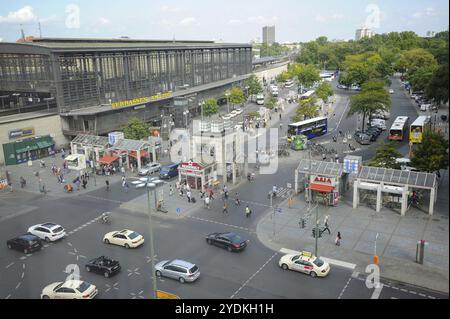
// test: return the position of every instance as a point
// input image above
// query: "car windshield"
(84, 285)
(235, 238)
(133, 235)
(295, 258)
(318, 262)
(57, 230)
(193, 269)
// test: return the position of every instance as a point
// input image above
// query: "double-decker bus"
(310, 128)
(307, 95)
(418, 128)
(399, 129)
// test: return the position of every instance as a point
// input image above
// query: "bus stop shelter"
(386, 180)
(325, 179)
(92, 146)
(132, 151)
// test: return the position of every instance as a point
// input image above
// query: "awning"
(108, 159)
(144, 153)
(321, 188)
(71, 157)
(44, 144)
(26, 149)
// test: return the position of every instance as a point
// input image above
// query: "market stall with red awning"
(108, 159)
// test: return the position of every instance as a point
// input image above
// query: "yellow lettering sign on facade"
(142, 100)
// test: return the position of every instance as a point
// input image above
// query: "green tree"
(414, 59)
(373, 97)
(135, 129)
(254, 86)
(210, 107)
(306, 74)
(306, 109)
(421, 78)
(253, 114)
(283, 76)
(437, 88)
(324, 91)
(236, 96)
(270, 102)
(432, 154)
(385, 156)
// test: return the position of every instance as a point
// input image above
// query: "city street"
(253, 273)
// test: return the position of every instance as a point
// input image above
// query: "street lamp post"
(227, 95)
(152, 187)
(186, 113)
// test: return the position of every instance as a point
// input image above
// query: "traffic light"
(302, 223)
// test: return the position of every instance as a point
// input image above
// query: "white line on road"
(328, 260)
(23, 266)
(18, 285)
(377, 291)
(345, 287)
(9, 265)
(23, 274)
(251, 277)
(9, 296)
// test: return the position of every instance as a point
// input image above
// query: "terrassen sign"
(142, 100)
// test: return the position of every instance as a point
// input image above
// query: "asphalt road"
(251, 274)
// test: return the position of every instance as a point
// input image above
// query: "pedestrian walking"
(188, 195)
(107, 185)
(63, 153)
(248, 211)
(338, 239)
(170, 190)
(280, 116)
(207, 202)
(225, 208)
(122, 170)
(22, 182)
(84, 183)
(127, 187)
(78, 182)
(324, 157)
(325, 222)
(237, 201)
(181, 192)
(124, 181)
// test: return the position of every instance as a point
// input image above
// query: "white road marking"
(413, 292)
(377, 291)
(422, 295)
(18, 285)
(220, 223)
(9, 296)
(355, 274)
(23, 258)
(9, 265)
(345, 287)
(252, 276)
(23, 274)
(23, 266)
(328, 260)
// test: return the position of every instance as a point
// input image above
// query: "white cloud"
(428, 12)
(263, 20)
(189, 21)
(170, 9)
(235, 22)
(103, 21)
(1, 39)
(333, 17)
(50, 19)
(22, 15)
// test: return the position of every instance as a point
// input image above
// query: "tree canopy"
(305, 110)
(236, 96)
(135, 129)
(210, 107)
(324, 91)
(385, 156)
(432, 154)
(254, 86)
(306, 74)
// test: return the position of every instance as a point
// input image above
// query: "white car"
(233, 114)
(150, 168)
(379, 123)
(226, 117)
(238, 111)
(126, 238)
(305, 262)
(71, 289)
(289, 84)
(391, 91)
(48, 231)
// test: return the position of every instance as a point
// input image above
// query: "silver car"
(150, 169)
(177, 269)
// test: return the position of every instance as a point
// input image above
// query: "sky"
(238, 21)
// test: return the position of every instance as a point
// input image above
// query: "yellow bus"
(418, 127)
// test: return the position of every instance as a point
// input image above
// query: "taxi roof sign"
(307, 254)
(165, 295)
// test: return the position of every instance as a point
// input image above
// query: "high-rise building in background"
(431, 34)
(269, 34)
(363, 33)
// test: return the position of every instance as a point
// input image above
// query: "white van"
(289, 84)
(379, 123)
(260, 99)
(274, 91)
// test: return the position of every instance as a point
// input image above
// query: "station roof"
(130, 145)
(121, 44)
(93, 140)
(397, 177)
(329, 169)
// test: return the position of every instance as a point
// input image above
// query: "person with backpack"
(338, 239)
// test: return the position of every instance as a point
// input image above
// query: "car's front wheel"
(284, 266)
(229, 249)
(106, 241)
(45, 297)
(25, 251)
(47, 239)
(209, 241)
(313, 274)
(181, 279)
(106, 274)
(158, 273)
(88, 269)
(127, 246)
(9, 246)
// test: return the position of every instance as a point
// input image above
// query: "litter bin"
(420, 251)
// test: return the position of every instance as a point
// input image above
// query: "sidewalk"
(51, 183)
(396, 243)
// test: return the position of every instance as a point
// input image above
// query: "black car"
(103, 265)
(375, 130)
(373, 136)
(26, 243)
(230, 241)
